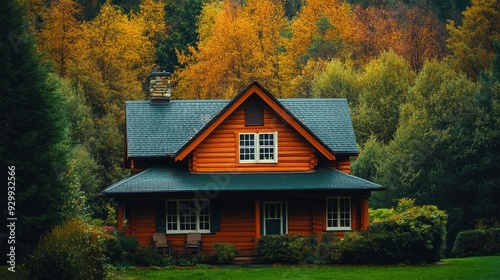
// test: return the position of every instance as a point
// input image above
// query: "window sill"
(186, 231)
(339, 229)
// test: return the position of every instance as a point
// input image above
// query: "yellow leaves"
(60, 32)
(343, 27)
(114, 54)
(471, 43)
(238, 45)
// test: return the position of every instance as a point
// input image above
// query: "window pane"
(266, 146)
(247, 146)
(187, 215)
(204, 214)
(171, 215)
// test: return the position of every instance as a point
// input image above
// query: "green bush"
(121, 249)
(408, 234)
(328, 248)
(146, 256)
(495, 238)
(223, 252)
(287, 248)
(74, 250)
(477, 243)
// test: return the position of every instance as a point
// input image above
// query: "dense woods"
(422, 78)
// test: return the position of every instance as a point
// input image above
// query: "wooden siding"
(219, 152)
(305, 216)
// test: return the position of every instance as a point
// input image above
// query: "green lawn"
(466, 268)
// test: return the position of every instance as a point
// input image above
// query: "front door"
(274, 218)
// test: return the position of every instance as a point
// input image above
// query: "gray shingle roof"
(158, 130)
(160, 179)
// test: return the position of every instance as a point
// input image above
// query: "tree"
(338, 80)
(242, 44)
(34, 140)
(181, 18)
(115, 56)
(428, 158)
(323, 25)
(59, 32)
(422, 35)
(379, 31)
(386, 81)
(471, 43)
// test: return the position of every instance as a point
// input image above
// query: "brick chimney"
(159, 87)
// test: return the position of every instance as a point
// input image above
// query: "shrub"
(145, 256)
(328, 248)
(495, 237)
(74, 250)
(287, 248)
(223, 252)
(121, 249)
(407, 234)
(477, 243)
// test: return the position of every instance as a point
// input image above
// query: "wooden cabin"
(235, 170)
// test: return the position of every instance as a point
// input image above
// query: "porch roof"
(161, 179)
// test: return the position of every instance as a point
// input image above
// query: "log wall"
(219, 152)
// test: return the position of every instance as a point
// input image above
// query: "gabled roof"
(160, 179)
(167, 130)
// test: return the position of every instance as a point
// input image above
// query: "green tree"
(427, 159)
(181, 18)
(33, 132)
(386, 82)
(338, 80)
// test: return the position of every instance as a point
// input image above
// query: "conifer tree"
(32, 133)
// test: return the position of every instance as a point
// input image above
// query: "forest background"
(422, 78)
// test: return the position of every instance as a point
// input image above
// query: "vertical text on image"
(11, 217)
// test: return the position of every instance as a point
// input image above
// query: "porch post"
(257, 218)
(365, 213)
(120, 215)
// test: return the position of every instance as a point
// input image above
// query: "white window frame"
(257, 146)
(199, 204)
(283, 217)
(337, 214)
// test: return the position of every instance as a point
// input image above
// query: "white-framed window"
(338, 213)
(185, 216)
(258, 147)
(274, 217)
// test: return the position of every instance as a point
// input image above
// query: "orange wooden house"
(235, 170)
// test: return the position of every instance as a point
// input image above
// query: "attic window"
(258, 147)
(254, 115)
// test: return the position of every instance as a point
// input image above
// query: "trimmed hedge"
(477, 243)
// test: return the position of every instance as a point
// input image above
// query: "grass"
(466, 268)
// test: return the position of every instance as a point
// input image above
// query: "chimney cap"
(159, 74)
